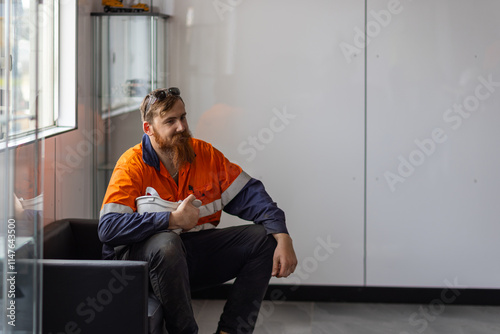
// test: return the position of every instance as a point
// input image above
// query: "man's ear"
(148, 128)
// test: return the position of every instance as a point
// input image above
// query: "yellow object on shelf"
(117, 6)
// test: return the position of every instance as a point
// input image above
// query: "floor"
(357, 318)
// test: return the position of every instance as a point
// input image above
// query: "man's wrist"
(282, 237)
(172, 225)
(162, 221)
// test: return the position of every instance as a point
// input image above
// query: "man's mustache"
(181, 135)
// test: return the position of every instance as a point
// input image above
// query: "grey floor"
(354, 318)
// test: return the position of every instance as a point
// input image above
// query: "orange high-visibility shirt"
(212, 179)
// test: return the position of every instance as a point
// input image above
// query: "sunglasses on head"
(161, 95)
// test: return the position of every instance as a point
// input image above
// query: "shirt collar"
(149, 155)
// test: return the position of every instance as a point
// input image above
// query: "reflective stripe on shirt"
(235, 187)
(226, 197)
(210, 208)
(114, 207)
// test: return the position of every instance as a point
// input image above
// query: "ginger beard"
(179, 148)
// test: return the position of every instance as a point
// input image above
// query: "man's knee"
(165, 245)
(259, 236)
(257, 231)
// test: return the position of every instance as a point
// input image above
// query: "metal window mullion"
(56, 49)
(154, 57)
(33, 58)
(6, 159)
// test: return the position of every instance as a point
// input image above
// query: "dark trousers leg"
(203, 259)
(169, 278)
(241, 252)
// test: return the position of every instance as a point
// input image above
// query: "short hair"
(158, 107)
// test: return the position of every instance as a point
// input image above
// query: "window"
(38, 69)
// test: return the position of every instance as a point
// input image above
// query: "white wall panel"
(267, 83)
(432, 177)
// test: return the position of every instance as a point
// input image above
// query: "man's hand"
(284, 261)
(186, 216)
(18, 208)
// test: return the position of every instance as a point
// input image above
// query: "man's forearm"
(126, 228)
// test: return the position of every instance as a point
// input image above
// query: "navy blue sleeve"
(116, 229)
(253, 203)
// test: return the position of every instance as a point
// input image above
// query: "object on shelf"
(116, 6)
(136, 88)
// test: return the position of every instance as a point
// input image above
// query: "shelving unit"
(129, 61)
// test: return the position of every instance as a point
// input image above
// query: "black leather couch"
(84, 294)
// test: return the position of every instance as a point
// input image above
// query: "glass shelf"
(130, 61)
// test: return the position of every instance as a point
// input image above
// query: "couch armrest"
(95, 296)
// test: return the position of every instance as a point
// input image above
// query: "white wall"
(436, 219)
(241, 63)
(266, 83)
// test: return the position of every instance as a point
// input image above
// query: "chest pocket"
(206, 194)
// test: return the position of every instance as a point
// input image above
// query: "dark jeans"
(198, 260)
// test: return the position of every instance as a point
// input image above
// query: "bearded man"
(169, 163)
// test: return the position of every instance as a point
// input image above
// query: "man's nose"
(181, 127)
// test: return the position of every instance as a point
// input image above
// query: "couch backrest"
(88, 245)
(58, 241)
(72, 239)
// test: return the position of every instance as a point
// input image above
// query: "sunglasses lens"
(174, 91)
(162, 95)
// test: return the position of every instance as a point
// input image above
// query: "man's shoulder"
(131, 156)
(201, 146)
(205, 148)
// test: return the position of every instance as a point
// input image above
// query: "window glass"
(29, 68)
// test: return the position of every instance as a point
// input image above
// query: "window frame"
(64, 76)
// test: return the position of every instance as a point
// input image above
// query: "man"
(177, 167)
